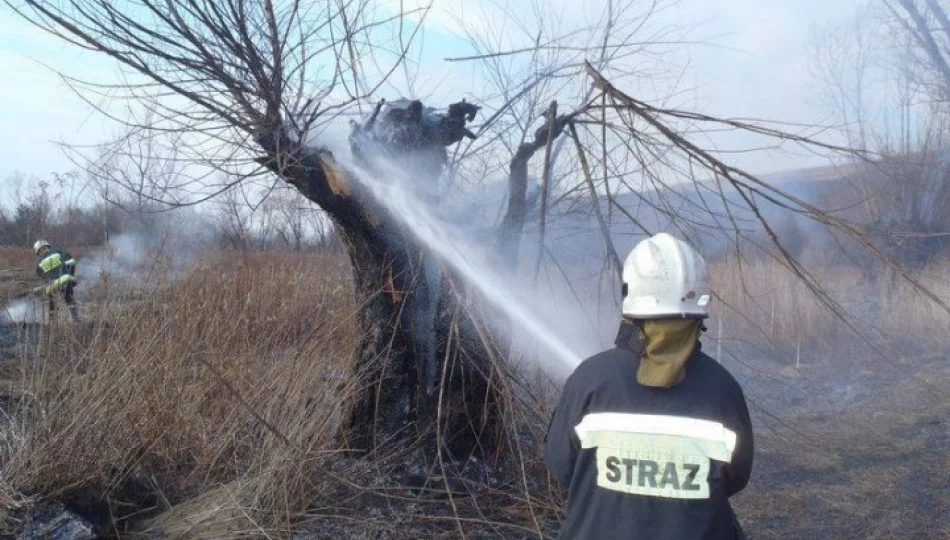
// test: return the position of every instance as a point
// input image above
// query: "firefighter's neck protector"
(664, 346)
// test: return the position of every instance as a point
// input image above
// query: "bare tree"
(325, 237)
(897, 54)
(924, 28)
(141, 171)
(235, 221)
(291, 217)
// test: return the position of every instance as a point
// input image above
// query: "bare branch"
(595, 200)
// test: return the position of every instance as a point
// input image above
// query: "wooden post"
(772, 315)
(719, 342)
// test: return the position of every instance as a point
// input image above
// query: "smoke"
(124, 257)
(140, 259)
(23, 311)
(156, 248)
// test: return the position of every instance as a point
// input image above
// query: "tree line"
(68, 209)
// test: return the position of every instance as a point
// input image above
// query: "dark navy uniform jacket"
(650, 463)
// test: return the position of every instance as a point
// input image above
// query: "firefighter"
(651, 438)
(58, 268)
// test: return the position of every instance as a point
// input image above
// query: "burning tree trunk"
(421, 369)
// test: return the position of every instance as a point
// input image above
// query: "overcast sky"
(759, 68)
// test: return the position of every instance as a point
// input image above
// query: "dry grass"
(762, 301)
(210, 406)
(17, 257)
(16, 272)
(227, 377)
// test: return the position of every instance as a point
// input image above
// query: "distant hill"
(711, 219)
(700, 212)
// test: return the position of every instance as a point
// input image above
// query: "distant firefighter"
(58, 269)
(653, 437)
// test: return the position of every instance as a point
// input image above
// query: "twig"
(604, 230)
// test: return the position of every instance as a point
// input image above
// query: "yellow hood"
(667, 347)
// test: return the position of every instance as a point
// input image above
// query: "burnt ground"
(849, 448)
(845, 449)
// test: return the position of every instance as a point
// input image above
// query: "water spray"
(397, 196)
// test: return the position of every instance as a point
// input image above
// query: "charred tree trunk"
(512, 224)
(421, 368)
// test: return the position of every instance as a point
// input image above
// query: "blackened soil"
(850, 449)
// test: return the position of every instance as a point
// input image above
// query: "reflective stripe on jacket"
(60, 283)
(55, 264)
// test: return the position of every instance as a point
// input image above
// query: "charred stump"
(423, 372)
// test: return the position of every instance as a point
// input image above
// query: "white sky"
(761, 68)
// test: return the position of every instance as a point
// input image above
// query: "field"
(207, 407)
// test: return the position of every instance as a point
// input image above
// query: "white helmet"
(663, 277)
(38, 245)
